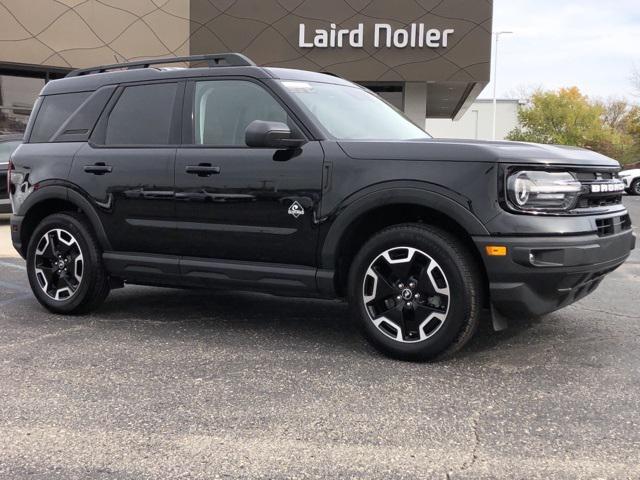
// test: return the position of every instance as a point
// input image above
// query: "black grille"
(593, 201)
(593, 176)
(590, 199)
(612, 225)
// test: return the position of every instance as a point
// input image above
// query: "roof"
(500, 100)
(93, 78)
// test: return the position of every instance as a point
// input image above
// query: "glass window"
(393, 94)
(142, 115)
(351, 113)
(54, 111)
(224, 109)
(17, 96)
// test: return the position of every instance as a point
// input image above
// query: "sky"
(591, 44)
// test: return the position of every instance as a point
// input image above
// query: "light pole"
(495, 80)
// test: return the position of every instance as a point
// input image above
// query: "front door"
(239, 203)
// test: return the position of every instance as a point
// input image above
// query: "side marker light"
(496, 250)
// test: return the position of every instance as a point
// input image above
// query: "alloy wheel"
(59, 264)
(406, 294)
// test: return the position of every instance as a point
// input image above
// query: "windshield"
(352, 113)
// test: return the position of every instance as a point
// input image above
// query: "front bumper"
(542, 274)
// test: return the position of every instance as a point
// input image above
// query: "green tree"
(631, 128)
(558, 117)
(567, 117)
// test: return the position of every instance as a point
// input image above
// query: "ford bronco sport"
(299, 183)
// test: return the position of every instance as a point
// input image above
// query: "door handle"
(202, 170)
(98, 169)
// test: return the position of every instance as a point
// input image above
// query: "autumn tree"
(614, 112)
(567, 117)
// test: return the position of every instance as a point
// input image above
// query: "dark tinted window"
(142, 115)
(224, 109)
(55, 110)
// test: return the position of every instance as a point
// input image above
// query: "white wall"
(415, 101)
(477, 122)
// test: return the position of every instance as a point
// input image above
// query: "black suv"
(299, 183)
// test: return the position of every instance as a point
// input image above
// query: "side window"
(53, 112)
(142, 115)
(224, 108)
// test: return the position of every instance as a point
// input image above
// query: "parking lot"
(180, 384)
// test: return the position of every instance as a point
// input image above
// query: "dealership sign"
(415, 35)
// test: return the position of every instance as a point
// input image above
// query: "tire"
(83, 284)
(432, 316)
(634, 189)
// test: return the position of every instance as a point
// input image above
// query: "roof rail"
(331, 74)
(213, 60)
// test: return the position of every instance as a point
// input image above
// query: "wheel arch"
(372, 212)
(55, 199)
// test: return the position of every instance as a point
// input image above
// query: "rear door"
(127, 167)
(234, 202)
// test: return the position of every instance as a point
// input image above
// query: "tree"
(567, 117)
(631, 127)
(614, 112)
(564, 117)
(632, 122)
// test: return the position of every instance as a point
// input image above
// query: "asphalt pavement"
(166, 384)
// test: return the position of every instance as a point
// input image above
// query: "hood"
(475, 151)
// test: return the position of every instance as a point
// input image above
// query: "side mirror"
(261, 134)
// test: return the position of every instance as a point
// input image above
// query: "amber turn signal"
(496, 250)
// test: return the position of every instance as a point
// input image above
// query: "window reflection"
(17, 96)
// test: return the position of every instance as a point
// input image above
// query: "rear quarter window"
(53, 112)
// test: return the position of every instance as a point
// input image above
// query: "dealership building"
(430, 58)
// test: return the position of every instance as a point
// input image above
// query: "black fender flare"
(389, 194)
(60, 192)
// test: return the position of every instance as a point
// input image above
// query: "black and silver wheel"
(634, 189)
(416, 292)
(406, 294)
(64, 265)
(58, 264)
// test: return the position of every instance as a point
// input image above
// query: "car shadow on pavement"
(267, 318)
(246, 317)
(486, 339)
(234, 316)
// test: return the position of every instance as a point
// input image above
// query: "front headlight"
(539, 191)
